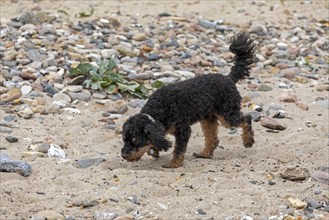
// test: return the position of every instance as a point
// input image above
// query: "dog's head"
(140, 133)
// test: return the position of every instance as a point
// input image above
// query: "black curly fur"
(175, 107)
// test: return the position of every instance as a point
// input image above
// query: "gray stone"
(11, 139)
(83, 96)
(13, 166)
(62, 97)
(88, 162)
(136, 103)
(109, 53)
(264, 88)
(34, 54)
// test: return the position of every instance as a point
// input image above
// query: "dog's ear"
(157, 137)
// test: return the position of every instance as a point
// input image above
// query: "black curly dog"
(174, 108)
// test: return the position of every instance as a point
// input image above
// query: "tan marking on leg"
(175, 162)
(210, 130)
(247, 134)
(223, 122)
(171, 130)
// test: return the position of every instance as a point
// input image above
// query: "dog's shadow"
(191, 164)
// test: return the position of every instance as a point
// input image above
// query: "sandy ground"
(220, 186)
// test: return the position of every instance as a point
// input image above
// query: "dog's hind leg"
(182, 136)
(247, 132)
(243, 121)
(210, 130)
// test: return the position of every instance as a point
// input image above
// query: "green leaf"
(81, 69)
(157, 84)
(86, 14)
(111, 89)
(127, 87)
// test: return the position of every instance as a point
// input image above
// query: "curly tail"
(244, 49)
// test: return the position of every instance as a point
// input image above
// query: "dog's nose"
(124, 153)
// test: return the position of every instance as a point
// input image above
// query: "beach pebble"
(56, 151)
(11, 139)
(48, 214)
(272, 124)
(295, 174)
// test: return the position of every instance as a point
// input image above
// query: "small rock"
(48, 214)
(139, 37)
(321, 175)
(264, 88)
(62, 97)
(302, 106)
(201, 212)
(272, 124)
(105, 215)
(109, 53)
(13, 166)
(246, 217)
(82, 96)
(133, 199)
(99, 95)
(56, 151)
(11, 139)
(119, 107)
(287, 97)
(32, 154)
(297, 203)
(50, 89)
(84, 163)
(26, 90)
(136, 103)
(86, 203)
(76, 80)
(71, 110)
(26, 113)
(314, 204)
(290, 73)
(11, 95)
(123, 218)
(43, 147)
(295, 174)
(186, 74)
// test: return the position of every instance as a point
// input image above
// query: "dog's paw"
(172, 165)
(202, 155)
(249, 143)
(175, 162)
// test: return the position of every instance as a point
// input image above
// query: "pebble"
(287, 97)
(82, 96)
(99, 215)
(48, 214)
(26, 113)
(62, 97)
(321, 175)
(272, 124)
(56, 151)
(11, 139)
(118, 107)
(136, 103)
(88, 162)
(14, 166)
(297, 203)
(26, 90)
(295, 174)
(264, 88)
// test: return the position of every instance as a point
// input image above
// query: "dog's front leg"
(182, 136)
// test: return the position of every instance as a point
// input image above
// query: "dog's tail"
(244, 49)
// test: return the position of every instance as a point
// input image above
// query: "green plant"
(105, 77)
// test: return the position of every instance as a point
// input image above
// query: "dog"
(172, 109)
